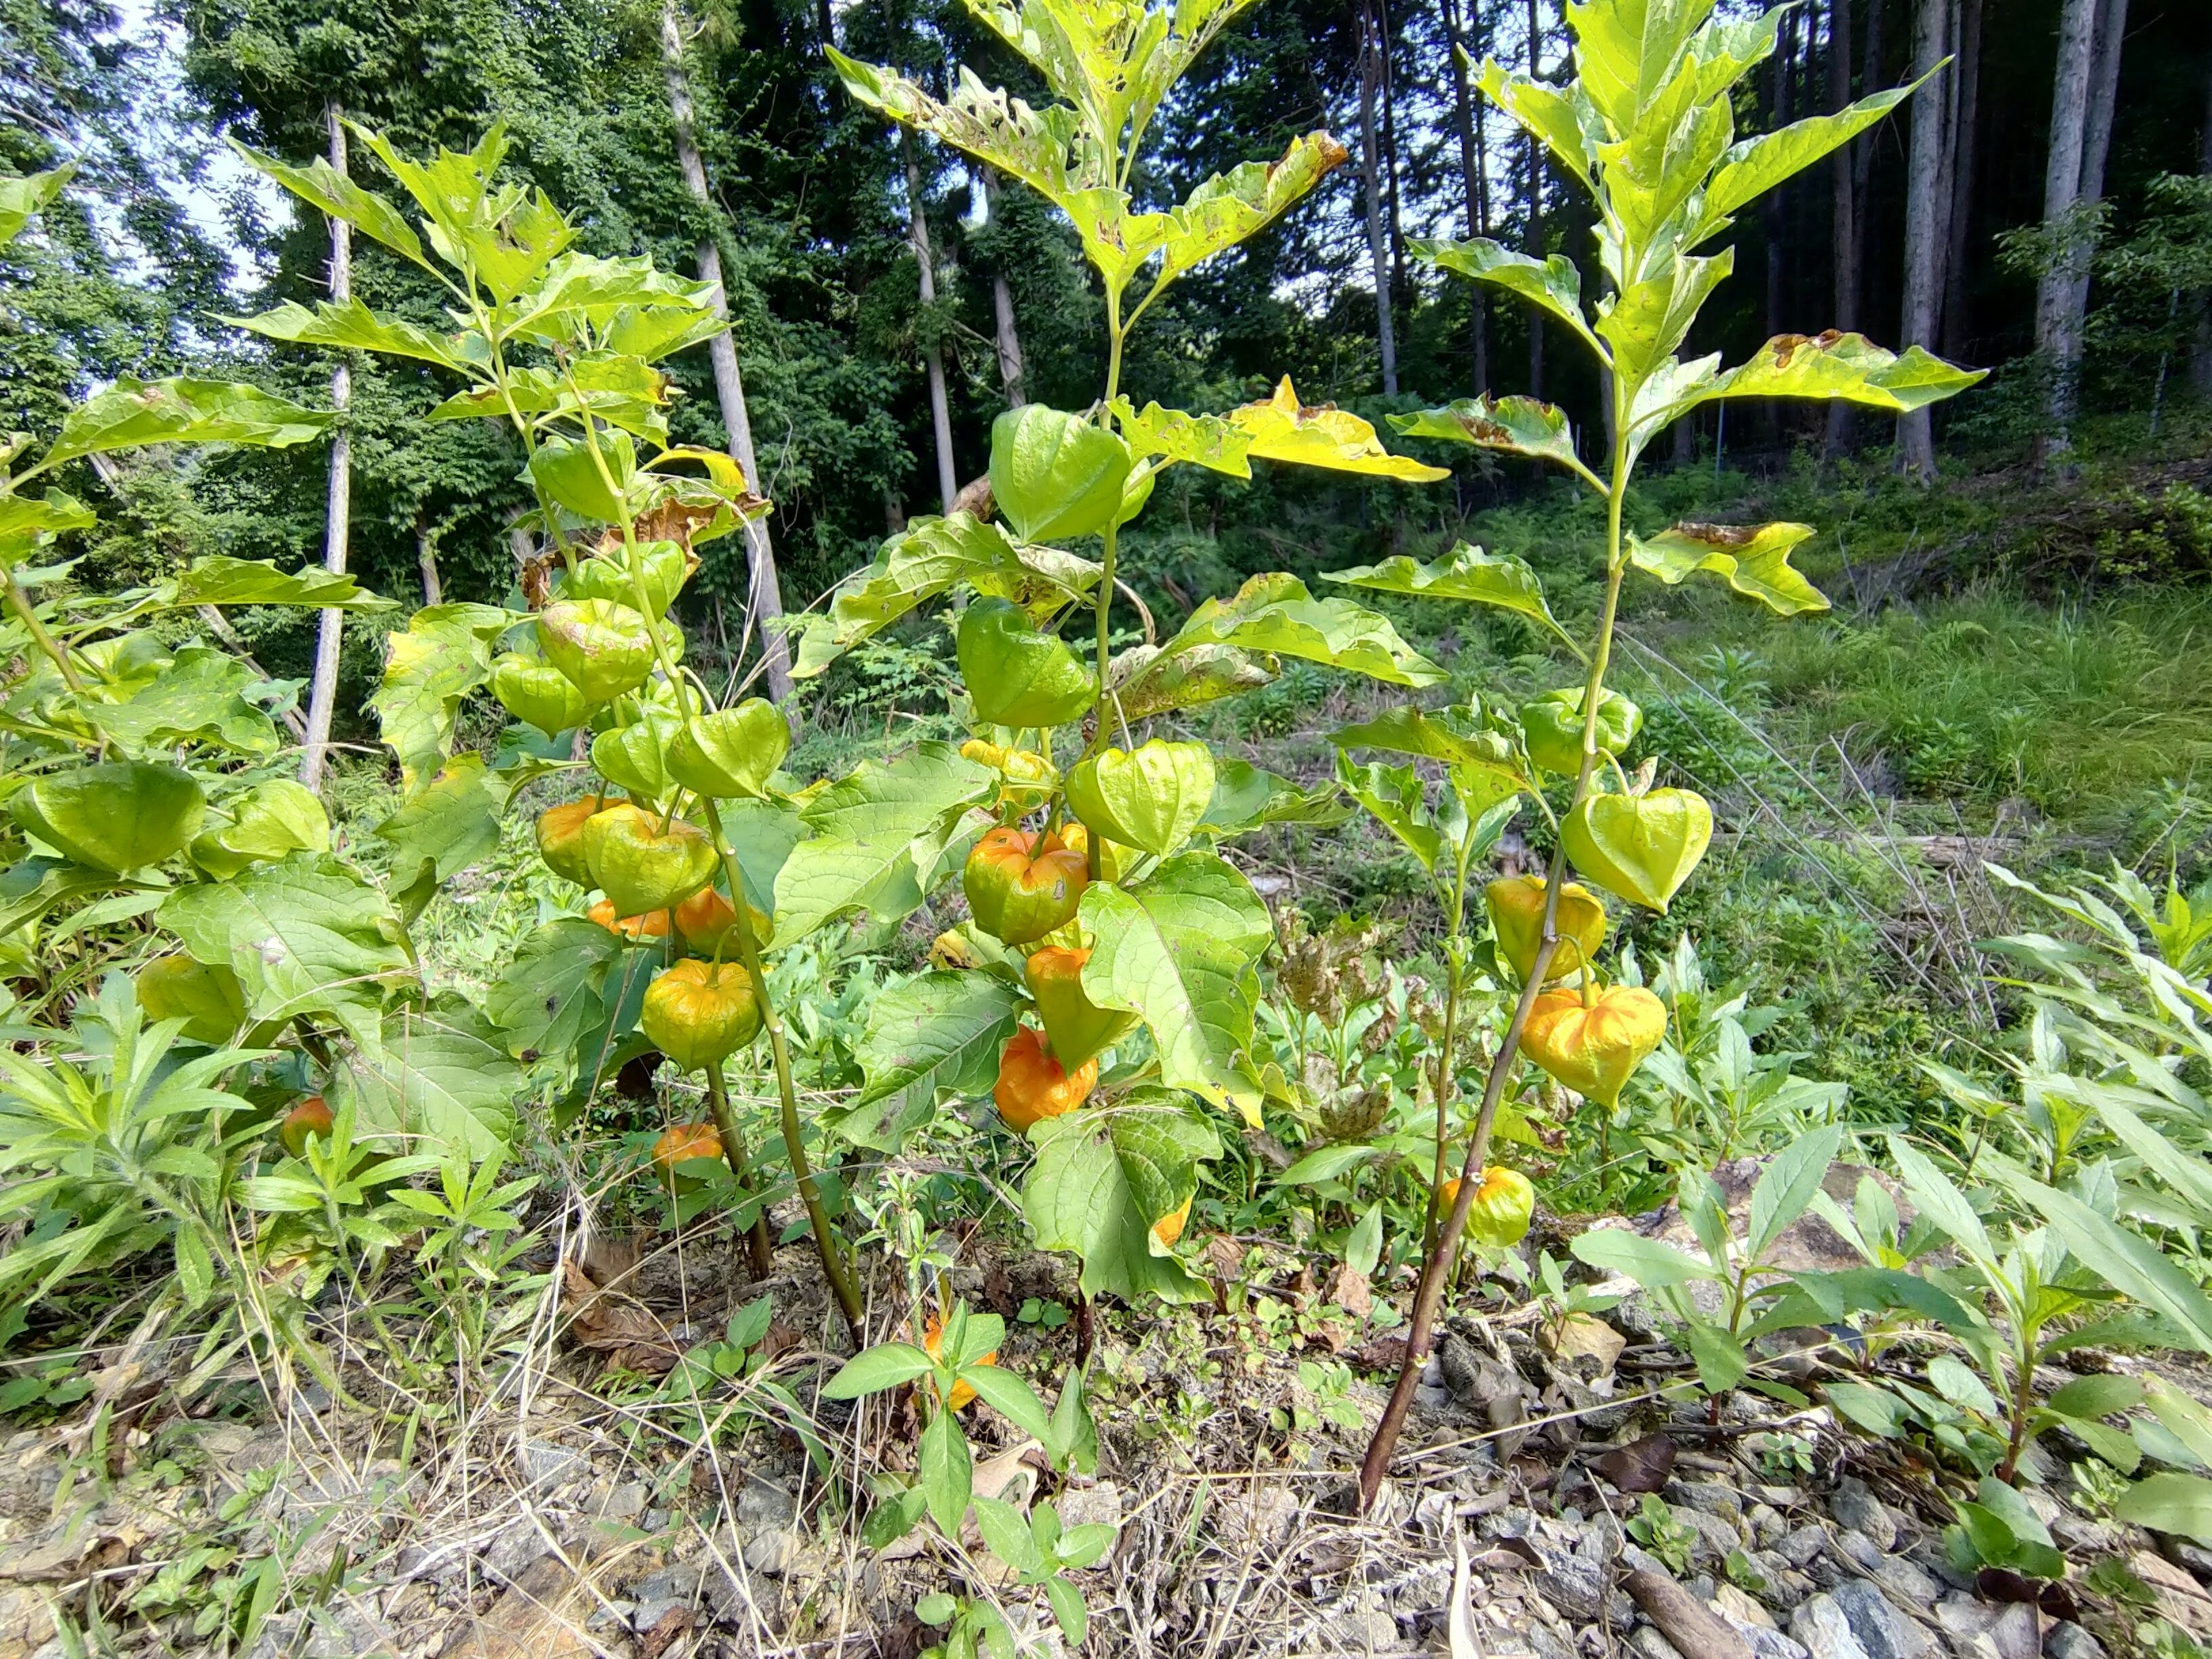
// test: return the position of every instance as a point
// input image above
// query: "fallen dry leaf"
(624, 1330)
(1640, 1466)
(1352, 1293)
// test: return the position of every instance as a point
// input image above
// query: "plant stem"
(1444, 1077)
(1437, 1270)
(810, 1193)
(20, 603)
(733, 1154)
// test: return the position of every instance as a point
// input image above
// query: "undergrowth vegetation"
(1122, 917)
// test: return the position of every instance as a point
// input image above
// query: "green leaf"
(1011, 1397)
(443, 1074)
(25, 519)
(1017, 674)
(445, 654)
(1845, 367)
(549, 995)
(200, 697)
(1393, 797)
(23, 197)
(1876, 1410)
(1179, 951)
(581, 293)
(222, 579)
(117, 816)
(2096, 1396)
(2178, 1504)
(133, 412)
(1753, 560)
(1938, 1200)
(1446, 735)
(1147, 680)
(1068, 1610)
(1005, 1534)
(444, 825)
(1232, 207)
(1276, 614)
(2131, 1263)
(1652, 1264)
(873, 1370)
(1722, 1362)
(1055, 476)
(1102, 1178)
(1646, 322)
(947, 1471)
(565, 471)
(1562, 118)
(1552, 284)
(1517, 426)
(1205, 441)
(304, 936)
(349, 324)
(877, 832)
(326, 190)
(1281, 429)
(1757, 165)
(1467, 573)
(1786, 1187)
(935, 1031)
(931, 556)
(1247, 798)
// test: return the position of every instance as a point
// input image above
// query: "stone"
(772, 1552)
(623, 1502)
(1820, 1627)
(343, 1630)
(1647, 1643)
(1711, 1499)
(1767, 1527)
(1858, 1511)
(1770, 1643)
(2181, 1599)
(1431, 1397)
(1881, 1630)
(763, 1504)
(1717, 1536)
(1907, 1584)
(546, 1464)
(1098, 1504)
(2072, 1642)
(1801, 1546)
(1733, 1605)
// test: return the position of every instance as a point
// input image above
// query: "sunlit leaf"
(1552, 284)
(1468, 573)
(329, 191)
(1845, 367)
(1561, 117)
(1147, 680)
(1181, 951)
(446, 823)
(444, 654)
(1283, 430)
(1757, 165)
(1230, 207)
(1645, 323)
(1275, 614)
(936, 1031)
(25, 518)
(348, 325)
(442, 1074)
(877, 832)
(221, 580)
(199, 698)
(1101, 1179)
(1752, 559)
(1205, 441)
(1519, 425)
(132, 412)
(25, 196)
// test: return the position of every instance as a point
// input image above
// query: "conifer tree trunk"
(1535, 212)
(1378, 246)
(1843, 229)
(941, 409)
(338, 506)
(1008, 337)
(2096, 144)
(2200, 360)
(1965, 133)
(1927, 230)
(1387, 79)
(766, 596)
(1467, 112)
(2057, 330)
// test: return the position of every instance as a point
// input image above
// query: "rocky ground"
(1551, 1502)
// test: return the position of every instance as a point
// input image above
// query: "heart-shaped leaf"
(1752, 559)
(1551, 728)
(731, 752)
(604, 647)
(537, 694)
(1055, 476)
(1151, 799)
(120, 816)
(1102, 1178)
(1641, 847)
(636, 756)
(1017, 675)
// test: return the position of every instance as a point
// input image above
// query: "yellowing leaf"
(1466, 572)
(1275, 614)
(1283, 430)
(1753, 560)
(1205, 441)
(1551, 284)
(1849, 367)
(1519, 426)
(1231, 206)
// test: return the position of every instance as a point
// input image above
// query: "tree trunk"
(1843, 230)
(1008, 337)
(426, 558)
(1378, 250)
(2057, 332)
(1386, 64)
(1535, 212)
(2200, 359)
(1927, 233)
(1466, 110)
(765, 598)
(1773, 211)
(1965, 133)
(2096, 142)
(339, 507)
(940, 411)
